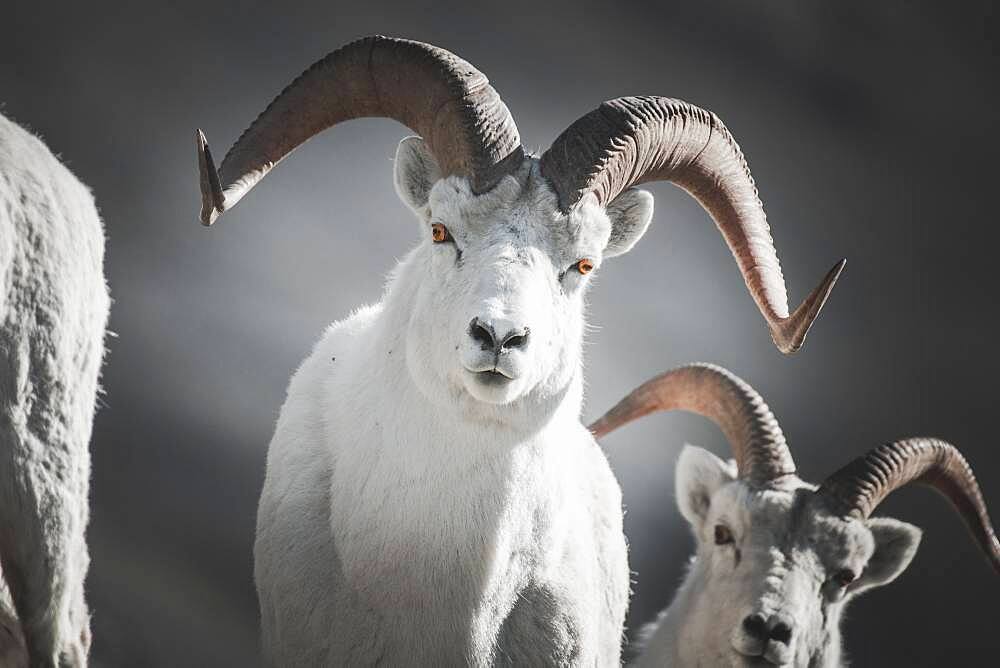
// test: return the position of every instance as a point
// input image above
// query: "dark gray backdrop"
(869, 128)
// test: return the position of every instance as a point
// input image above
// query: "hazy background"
(870, 129)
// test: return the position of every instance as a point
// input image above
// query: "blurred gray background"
(869, 128)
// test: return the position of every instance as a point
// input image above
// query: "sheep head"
(500, 295)
(777, 558)
(775, 566)
(511, 240)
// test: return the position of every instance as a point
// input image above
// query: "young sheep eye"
(723, 536)
(585, 266)
(844, 577)
(440, 233)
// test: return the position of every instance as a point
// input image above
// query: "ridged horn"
(857, 489)
(758, 444)
(634, 140)
(436, 94)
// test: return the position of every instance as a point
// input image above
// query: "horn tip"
(212, 198)
(790, 333)
(836, 271)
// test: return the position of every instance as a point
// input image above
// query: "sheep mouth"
(491, 385)
(753, 661)
(492, 377)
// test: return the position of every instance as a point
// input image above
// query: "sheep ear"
(699, 475)
(630, 214)
(416, 172)
(896, 544)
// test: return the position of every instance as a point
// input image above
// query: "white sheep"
(53, 309)
(431, 496)
(777, 558)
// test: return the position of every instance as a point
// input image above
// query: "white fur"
(53, 310)
(413, 514)
(786, 550)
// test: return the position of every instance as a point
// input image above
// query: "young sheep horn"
(634, 140)
(444, 99)
(759, 447)
(857, 489)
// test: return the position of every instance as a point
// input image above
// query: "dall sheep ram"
(431, 496)
(53, 310)
(778, 558)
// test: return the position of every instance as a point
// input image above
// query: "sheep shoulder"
(297, 569)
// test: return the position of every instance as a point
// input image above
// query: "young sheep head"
(777, 558)
(511, 240)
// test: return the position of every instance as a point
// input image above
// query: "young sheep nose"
(483, 333)
(781, 630)
(756, 626)
(777, 628)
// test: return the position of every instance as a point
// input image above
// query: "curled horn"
(444, 99)
(759, 447)
(634, 140)
(857, 489)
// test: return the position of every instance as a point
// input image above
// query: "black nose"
(777, 628)
(756, 626)
(515, 338)
(781, 630)
(482, 333)
(485, 336)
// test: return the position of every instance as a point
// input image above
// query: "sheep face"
(497, 314)
(776, 567)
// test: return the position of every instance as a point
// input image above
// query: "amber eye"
(585, 266)
(844, 577)
(440, 233)
(723, 536)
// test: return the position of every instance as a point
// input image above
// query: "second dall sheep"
(778, 559)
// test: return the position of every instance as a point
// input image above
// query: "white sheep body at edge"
(779, 559)
(53, 310)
